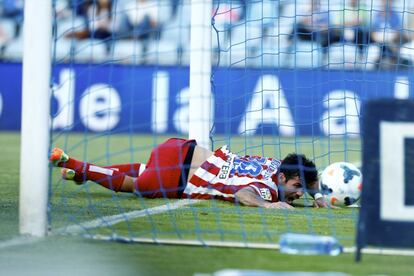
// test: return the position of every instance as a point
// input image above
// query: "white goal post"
(200, 72)
(34, 173)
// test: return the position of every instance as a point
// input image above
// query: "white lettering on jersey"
(265, 193)
(225, 169)
(272, 169)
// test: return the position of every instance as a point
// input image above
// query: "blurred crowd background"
(342, 34)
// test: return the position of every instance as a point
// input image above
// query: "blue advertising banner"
(10, 96)
(154, 99)
(386, 218)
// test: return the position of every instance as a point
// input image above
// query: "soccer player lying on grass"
(178, 168)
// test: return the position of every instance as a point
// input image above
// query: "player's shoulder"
(225, 149)
(266, 192)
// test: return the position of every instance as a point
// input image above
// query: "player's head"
(295, 173)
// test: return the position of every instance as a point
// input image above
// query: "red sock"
(132, 170)
(108, 178)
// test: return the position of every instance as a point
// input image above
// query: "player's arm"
(248, 196)
(319, 199)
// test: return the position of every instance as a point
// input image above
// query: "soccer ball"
(341, 183)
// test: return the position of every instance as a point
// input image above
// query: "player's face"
(292, 188)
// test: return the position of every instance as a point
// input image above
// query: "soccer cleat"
(70, 174)
(58, 156)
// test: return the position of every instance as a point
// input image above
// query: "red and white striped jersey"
(224, 173)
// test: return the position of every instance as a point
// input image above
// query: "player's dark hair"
(298, 165)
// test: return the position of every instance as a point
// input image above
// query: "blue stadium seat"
(264, 12)
(69, 25)
(165, 11)
(119, 19)
(7, 31)
(61, 50)
(178, 30)
(121, 9)
(371, 57)
(343, 56)
(304, 55)
(275, 52)
(407, 51)
(162, 52)
(220, 40)
(13, 50)
(90, 50)
(127, 52)
(244, 45)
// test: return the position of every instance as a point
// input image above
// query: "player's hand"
(321, 203)
(279, 205)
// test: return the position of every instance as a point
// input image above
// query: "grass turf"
(72, 204)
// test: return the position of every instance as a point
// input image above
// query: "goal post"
(200, 72)
(34, 148)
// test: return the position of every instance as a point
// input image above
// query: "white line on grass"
(251, 245)
(21, 240)
(108, 220)
(381, 251)
(111, 220)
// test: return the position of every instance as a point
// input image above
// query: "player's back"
(224, 173)
(200, 155)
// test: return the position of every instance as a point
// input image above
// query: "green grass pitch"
(207, 220)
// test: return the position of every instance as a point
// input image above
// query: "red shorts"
(167, 169)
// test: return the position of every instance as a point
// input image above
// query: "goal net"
(287, 76)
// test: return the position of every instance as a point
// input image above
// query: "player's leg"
(133, 169)
(82, 171)
(167, 169)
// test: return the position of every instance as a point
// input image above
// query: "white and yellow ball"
(341, 183)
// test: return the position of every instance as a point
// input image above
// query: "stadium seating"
(90, 50)
(175, 36)
(342, 56)
(253, 33)
(127, 51)
(62, 50)
(370, 57)
(264, 12)
(7, 31)
(305, 55)
(245, 42)
(162, 51)
(13, 50)
(407, 51)
(67, 26)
